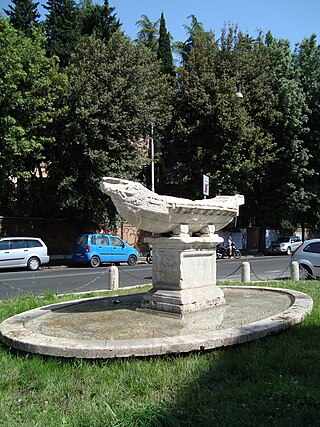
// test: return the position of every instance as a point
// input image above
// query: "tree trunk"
(262, 238)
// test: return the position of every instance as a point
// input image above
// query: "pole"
(294, 270)
(152, 159)
(245, 272)
(113, 277)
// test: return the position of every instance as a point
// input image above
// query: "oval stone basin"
(116, 326)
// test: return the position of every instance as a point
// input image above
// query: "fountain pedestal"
(184, 274)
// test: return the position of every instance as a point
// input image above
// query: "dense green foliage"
(307, 57)
(98, 19)
(23, 15)
(108, 110)
(148, 33)
(62, 28)
(264, 145)
(268, 382)
(30, 84)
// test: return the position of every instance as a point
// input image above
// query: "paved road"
(82, 279)
(261, 268)
(63, 279)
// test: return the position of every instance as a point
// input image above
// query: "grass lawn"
(270, 382)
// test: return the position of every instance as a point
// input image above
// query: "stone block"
(184, 274)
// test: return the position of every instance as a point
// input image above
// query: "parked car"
(285, 244)
(98, 248)
(308, 256)
(30, 252)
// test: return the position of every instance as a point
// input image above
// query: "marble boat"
(155, 213)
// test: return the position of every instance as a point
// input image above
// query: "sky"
(293, 20)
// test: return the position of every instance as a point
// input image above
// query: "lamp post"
(238, 95)
(152, 158)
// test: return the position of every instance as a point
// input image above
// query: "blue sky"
(288, 19)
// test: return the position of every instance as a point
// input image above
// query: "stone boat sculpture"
(152, 212)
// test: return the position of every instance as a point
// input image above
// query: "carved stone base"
(184, 274)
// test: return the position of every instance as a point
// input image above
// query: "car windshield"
(81, 240)
(283, 239)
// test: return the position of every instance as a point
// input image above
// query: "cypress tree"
(164, 49)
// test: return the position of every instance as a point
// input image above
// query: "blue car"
(98, 248)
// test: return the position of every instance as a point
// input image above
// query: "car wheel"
(33, 263)
(304, 272)
(289, 251)
(95, 261)
(132, 260)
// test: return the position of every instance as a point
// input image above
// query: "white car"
(285, 244)
(30, 252)
(288, 244)
(308, 257)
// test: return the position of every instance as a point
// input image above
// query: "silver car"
(308, 257)
(30, 252)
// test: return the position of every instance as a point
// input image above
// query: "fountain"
(184, 266)
(184, 311)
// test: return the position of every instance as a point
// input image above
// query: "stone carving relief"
(155, 213)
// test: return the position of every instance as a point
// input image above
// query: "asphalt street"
(63, 279)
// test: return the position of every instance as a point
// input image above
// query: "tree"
(98, 19)
(307, 56)
(29, 87)
(62, 28)
(242, 144)
(194, 30)
(164, 49)
(115, 91)
(287, 125)
(215, 133)
(23, 15)
(148, 33)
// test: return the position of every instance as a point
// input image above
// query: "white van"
(30, 252)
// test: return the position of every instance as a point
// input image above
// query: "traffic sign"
(206, 185)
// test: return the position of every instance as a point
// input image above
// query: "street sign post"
(205, 186)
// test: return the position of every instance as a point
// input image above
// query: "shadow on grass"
(270, 382)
